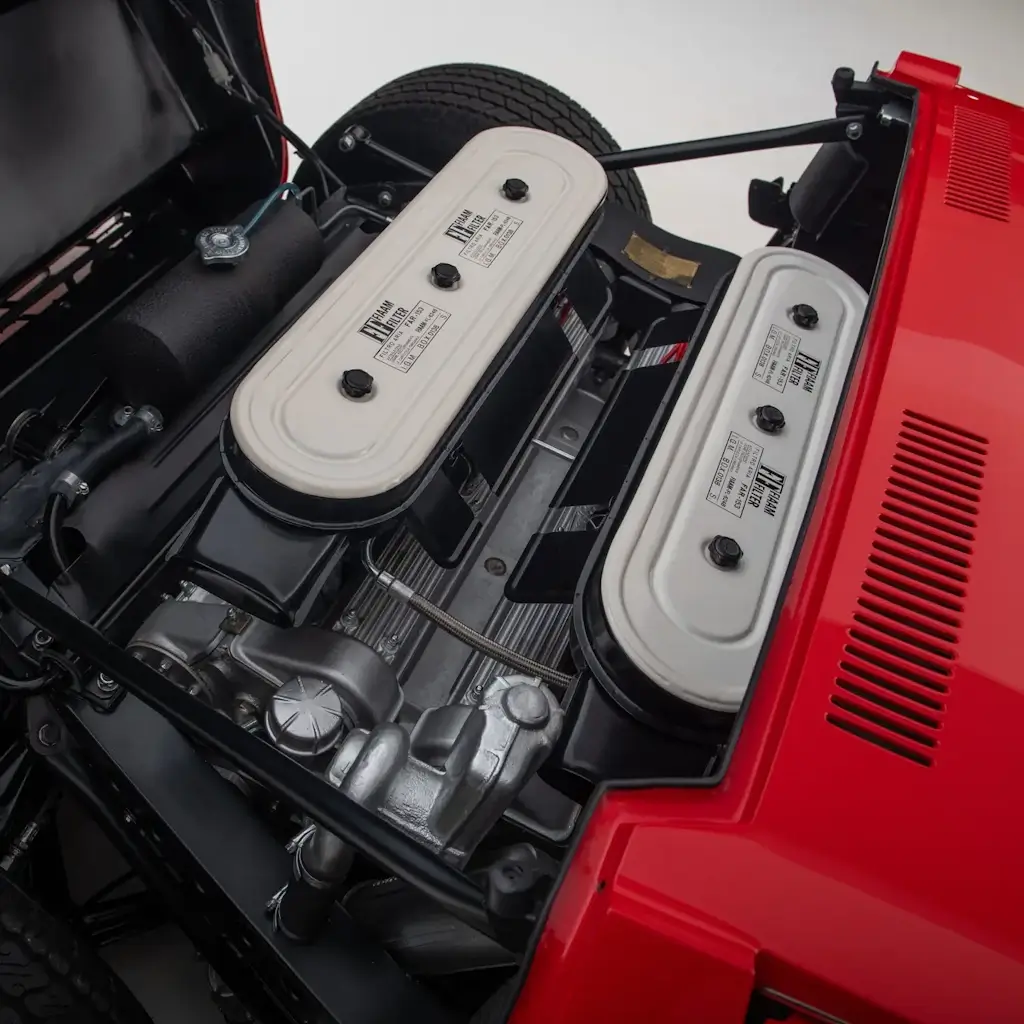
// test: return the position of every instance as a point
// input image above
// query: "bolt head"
(804, 315)
(495, 566)
(356, 383)
(445, 275)
(48, 734)
(42, 639)
(385, 199)
(725, 552)
(6, 569)
(105, 684)
(346, 143)
(854, 131)
(515, 189)
(769, 418)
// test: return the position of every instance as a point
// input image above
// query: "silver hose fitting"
(457, 628)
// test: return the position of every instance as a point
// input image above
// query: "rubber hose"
(485, 645)
(99, 460)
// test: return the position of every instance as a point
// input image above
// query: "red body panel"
(871, 882)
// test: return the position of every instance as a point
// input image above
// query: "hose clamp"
(71, 486)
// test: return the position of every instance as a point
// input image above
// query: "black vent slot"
(979, 164)
(897, 665)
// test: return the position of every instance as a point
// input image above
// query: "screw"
(515, 189)
(854, 131)
(495, 566)
(41, 639)
(347, 143)
(128, 819)
(48, 734)
(165, 665)
(569, 434)
(385, 198)
(83, 488)
(725, 552)
(444, 275)
(356, 383)
(804, 315)
(105, 684)
(350, 621)
(769, 418)
(388, 647)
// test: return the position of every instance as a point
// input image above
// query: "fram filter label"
(484, 236)
(803, 374)
(385, 320)
(767, 490)
(741, 481)
(465, 226)
(776, 358)
(780, 362)
(409, 339)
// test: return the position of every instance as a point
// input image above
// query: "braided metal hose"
(458, 629)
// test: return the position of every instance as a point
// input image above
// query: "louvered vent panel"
(979, 164)
(894, 675)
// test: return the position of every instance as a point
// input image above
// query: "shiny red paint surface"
(824, 867)
(275, 101)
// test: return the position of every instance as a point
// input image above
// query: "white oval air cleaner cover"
(427, 348)
(695, 629)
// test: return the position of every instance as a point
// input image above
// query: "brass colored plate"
(659, 263)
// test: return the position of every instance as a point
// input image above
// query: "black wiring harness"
(223, 69)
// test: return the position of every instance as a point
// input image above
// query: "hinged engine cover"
(695, 628)
(427, 348)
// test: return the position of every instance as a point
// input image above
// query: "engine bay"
(470, 511)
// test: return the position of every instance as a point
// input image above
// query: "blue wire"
(278, 192)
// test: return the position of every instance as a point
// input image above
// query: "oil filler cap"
(305, 717)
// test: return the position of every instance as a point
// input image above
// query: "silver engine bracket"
(312, 685)
(450, 780)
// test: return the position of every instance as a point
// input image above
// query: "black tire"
(429, 115)
(47, 974)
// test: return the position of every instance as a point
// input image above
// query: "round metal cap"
(445, 275)
(526, 705)
(804, 315)
(725, 552)
(515, 189)
(225, 245)
(356, 383)
(305, 717)
(769, 418)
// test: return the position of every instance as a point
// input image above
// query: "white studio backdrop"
(652, 71)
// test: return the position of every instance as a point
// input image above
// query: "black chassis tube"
(366, 832)
(197, 844)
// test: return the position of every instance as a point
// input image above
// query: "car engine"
(488, 508)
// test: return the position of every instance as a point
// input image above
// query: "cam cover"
(691, 627)
(426, 348)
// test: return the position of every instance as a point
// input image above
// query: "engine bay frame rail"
(212, 860)
(280, 774)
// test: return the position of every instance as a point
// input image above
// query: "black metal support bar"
(357, 134)
(348, 820)
(833, 130)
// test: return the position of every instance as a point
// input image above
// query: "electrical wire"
(282, 190)
(55, 510)
(46, 679)
(262, 108)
